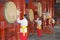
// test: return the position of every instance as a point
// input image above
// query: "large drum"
(8, 11)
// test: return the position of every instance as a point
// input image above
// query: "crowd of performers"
(24, 25)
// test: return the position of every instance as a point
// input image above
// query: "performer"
(23, 28)
(48, 16)
(49, 23)
(52, 22)
(39, 23)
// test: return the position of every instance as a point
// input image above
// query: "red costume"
(53, 22)
(39, 23)
(23, 28)
(48, 17)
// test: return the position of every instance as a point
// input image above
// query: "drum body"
(31, 15)
(39, 9)
(8, 11)
(17, 3)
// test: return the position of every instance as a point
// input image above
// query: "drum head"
(10, 12)
(31, 15)
(39, 9)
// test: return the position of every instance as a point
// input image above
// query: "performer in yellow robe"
(48, 17)
(39, 23)
(23, 28)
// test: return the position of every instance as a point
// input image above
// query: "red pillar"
(52, 12)
(22, 8)
(51, 3)
(44, 6)
(30, 4)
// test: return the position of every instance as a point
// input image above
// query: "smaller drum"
(39, 9)
(31, 15)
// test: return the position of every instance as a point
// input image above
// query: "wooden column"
(51, 9)
(44, 5)
(30, 4)
(22, 8)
